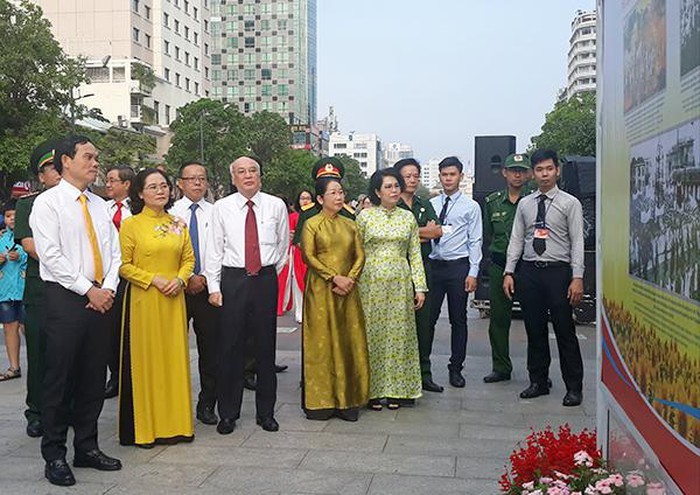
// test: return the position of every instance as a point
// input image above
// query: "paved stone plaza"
(454, 442)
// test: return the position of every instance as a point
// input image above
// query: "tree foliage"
(570, 127)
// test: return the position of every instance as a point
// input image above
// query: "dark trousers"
(250, 308)
(543, 293)
(115, 332)
(205, 321)
(448, 279)
(425, 328)
(499, 322)
(77, 344)
(34, 335)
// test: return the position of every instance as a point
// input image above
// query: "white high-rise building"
(365, 148)
(429, 173)
(122, 40)
(582, 54)
(393, 152)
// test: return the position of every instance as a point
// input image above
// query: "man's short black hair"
(542, 155)
(405, 162)
(187, 164)
(451, 161)
(68, 146)
(125, 172)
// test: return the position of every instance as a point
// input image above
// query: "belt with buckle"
(548, 264)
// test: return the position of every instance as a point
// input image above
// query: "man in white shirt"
(79, 259)
(119, 178)
(246, 249)
(195, 211)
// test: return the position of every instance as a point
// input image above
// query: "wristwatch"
(510, 274)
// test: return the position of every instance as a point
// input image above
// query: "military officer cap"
(517, 160)
(328, 166)
(42, 155)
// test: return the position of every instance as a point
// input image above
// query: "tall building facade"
(393, 152)
(365, 148)
(582, 54)
(429, 173)
(264, 56)
(123, 41)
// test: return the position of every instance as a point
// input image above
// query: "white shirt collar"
(242, 200)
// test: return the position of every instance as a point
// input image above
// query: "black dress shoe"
(226, 426)
(430, 386)
(58, 473)
(250, 382)
(206, 415)
(572, 398)
(268, 424)
(34, 429)
(456, 379)
(496, 376)
(111, 390)
(534, 390)
(96, 459)
(279, 368)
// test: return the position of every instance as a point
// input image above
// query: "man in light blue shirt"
(455, 259)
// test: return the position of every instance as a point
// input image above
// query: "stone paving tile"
(325, 460)
(304, 440)
(432, 417)
(475, 467)
(237, 456)
(44, 488)
(273, 480)
(463, 447)
(367, 425)
(501, 432)
(151, 473)
(391, 484)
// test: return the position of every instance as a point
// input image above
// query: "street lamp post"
(72, 108)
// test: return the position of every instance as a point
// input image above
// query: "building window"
(177, 26)
(266, 90)
(195, 13)
(250, 42)
(167, 114)
(249, 9)
(282, 25)
(135, 35)
(265, 74)
(177, 79)
(206, 49)
(135, 5)
(156, 111)
(206, 26)
(232, 91)
(232, 42)
(266, 58)
(196, 38)
(147, 11)
(166, 47)
(282, 8)
(196, 88)
(282, 90)
(249, 74)
(166, 20)
(216, 75)
(216, 59)
(340, 146)
(187, 83)
(232, 59)
(218, 92)
(187, 33)
(250, 91)
(231, 74)
(166, 74)
(196, 63)
(249, 25)
(187, 6)
(187, 59)
(265, 24)
(148, 40)
(246, 107)
(177, 53)
(232, 9)
(206, 72)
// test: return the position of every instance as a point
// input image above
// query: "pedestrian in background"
(548, 234)
(499, 212)
(13, 265)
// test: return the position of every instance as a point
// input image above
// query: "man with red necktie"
(119, 178)
(246, 249)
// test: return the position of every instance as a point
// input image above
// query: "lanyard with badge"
(541, 229)
(448, 228)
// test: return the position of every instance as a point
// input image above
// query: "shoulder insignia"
(494, 195)
(349, 209)
(308, 206)
(31, 194)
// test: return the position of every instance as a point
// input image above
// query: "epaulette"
(349, 209)
(308, 206)
(494, 195)
(29, 195)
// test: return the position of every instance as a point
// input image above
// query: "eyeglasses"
(335, 192)
(194, 179)
(156, 187)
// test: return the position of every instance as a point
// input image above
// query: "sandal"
(10, 374)
(393, 404)
(374, 405)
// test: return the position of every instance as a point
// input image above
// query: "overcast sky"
(434, 74)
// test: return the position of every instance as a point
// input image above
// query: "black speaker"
(578, 175)
(489, 153)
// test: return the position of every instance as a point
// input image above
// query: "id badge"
(542, 233)
(446, 229)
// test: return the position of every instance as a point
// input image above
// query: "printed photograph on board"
(690, 35)
(665, 212)
(644, 60)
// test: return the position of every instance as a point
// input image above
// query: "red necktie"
(252, 246)
(117, 218)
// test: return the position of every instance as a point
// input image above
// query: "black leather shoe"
(250, 382)
(268, 424)
(58, 473)
(206, 415)
(430, 386)
(572, 398)
(456, 379)
(496, 376)
(226, 426)
(534, 390)
(111, 390)
(34, 429)
(96, 459)
(279, 368)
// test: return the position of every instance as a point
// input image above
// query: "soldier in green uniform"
(325, 167)
(499, 213)
(428, 229)
(41, 165)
